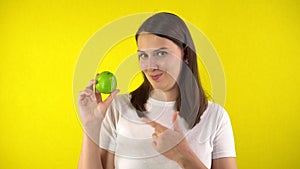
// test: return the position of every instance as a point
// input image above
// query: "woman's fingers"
(83, 94)
(165, 139)
(110, 98)
(157, 127)
(90, 85)
(89, 90)
(98, 96)
(97, 93)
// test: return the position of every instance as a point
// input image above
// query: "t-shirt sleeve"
(108, 129)
(223, 143)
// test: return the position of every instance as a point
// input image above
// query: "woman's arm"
(89, 156)
(107, 159)
(92, 111)
(93, 157)
(224, 163)
(191, 161)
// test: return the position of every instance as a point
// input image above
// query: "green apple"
(106, 82)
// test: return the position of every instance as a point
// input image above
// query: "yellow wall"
(40, 42)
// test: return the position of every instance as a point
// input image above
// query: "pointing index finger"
(158, 127)
(151, 123)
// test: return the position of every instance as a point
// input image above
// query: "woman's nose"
(150, 64)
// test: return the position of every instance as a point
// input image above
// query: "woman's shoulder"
(213, 112)
(211, 120)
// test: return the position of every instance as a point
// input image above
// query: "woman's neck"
(169, 95)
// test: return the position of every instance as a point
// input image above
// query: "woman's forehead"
(148, 41)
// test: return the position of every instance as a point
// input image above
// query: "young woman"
(165, 123)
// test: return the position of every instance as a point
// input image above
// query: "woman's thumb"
(110, 98)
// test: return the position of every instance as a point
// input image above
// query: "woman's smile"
(156, 76)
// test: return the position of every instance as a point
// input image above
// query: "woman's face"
(160, 60)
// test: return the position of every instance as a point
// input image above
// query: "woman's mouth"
(156, 77)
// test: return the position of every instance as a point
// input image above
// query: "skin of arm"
(93, 157)
(89, 156)
(224, 163)
(107, 158)
(190, 160)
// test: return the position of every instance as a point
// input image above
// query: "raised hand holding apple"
(92, 109)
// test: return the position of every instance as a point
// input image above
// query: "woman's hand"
(173, 145)
(169, 142)
(92, 110)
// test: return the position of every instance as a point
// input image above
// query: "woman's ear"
(185, 55)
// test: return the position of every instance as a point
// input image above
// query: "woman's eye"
(162, 53)
(143, 56)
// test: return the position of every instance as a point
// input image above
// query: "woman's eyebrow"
(154, 50)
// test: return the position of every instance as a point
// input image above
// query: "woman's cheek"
(143, 66)
(173, 68)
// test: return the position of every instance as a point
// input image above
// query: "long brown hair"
(192, 101)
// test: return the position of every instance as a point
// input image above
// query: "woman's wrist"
(183, 154)
(183, 159)
(92, 131)
(87, 139)
(189, 160)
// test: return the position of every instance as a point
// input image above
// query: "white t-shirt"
(123, 133)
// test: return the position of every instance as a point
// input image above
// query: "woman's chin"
(163, 88)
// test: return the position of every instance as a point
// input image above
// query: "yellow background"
(40, 41)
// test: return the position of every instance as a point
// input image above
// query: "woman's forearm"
(191, 161)
(89, 156)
